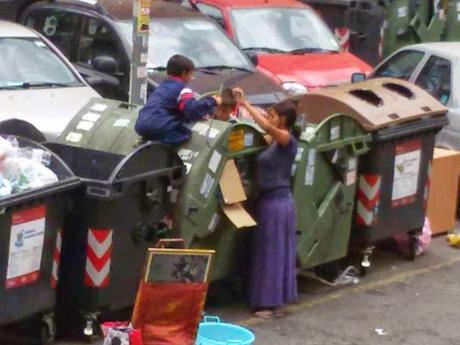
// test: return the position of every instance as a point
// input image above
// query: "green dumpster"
(428, 21)
(324, 185)
(393, 176)
(198, 217)
(412, 21)
(452, 30)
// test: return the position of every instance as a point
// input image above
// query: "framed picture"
(178, 265)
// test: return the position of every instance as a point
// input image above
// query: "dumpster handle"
(359, 148)
(211, 319)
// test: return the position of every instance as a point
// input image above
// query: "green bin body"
(324, 187)
(452, 30)
(116, 216)
(197, 216)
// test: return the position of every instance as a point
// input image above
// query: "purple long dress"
(273, 279)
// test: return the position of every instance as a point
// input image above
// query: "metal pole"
(139, 58)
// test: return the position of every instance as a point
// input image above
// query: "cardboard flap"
(238, 216)
(230, 184)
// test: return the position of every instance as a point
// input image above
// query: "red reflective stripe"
(183, 100)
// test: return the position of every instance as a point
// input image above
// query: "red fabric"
(169, 313)
(183, 99)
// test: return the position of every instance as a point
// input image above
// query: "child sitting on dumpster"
(172, 105)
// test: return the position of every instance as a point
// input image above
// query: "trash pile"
(23, 168)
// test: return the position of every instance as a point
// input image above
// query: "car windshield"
(200, 40)
(29, 62)
(282, 30)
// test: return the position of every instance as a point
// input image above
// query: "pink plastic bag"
(423, 240)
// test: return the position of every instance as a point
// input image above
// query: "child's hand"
(218, 99)
(239, 95)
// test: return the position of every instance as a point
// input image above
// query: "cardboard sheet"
(238, 216)
(230, 184)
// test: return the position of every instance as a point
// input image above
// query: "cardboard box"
(443, 196)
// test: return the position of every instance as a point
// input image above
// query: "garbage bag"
(120, 333)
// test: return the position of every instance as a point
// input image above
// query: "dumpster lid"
(375, 103)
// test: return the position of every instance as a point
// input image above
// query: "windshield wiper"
(27, 85)
(224, 67)
(312, 50)
(266, 49)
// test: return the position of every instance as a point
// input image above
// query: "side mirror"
(357, 77)
(105, 64)
(253, 57)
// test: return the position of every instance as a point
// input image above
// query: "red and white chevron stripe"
(98, 257)
(427, 185)
(368, 199)
(343, 36)
(56, 260)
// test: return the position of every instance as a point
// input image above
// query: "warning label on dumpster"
(26, 246)
(406, 173)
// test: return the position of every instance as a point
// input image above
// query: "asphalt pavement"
(397, 302)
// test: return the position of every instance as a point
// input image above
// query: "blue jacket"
(168, 108)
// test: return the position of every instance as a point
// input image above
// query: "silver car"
(433, 67)
(37, 83)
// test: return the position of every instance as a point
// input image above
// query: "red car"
(292, 43)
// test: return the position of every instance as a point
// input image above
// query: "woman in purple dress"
(273, 281)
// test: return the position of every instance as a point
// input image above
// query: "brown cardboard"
(238, 216)
(230, 184)
(443, 198)
(375, 103)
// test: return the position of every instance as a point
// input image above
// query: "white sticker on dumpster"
(299, 154)
(214, 222)
(26, 246)
(335, 133)
(188, 167)
(311, 157)
(99, 107)
(214, 161)
(309, 176)
(85, 125)
(90, 116)
(406, 172)
(248, 139)
(122, 123)
(402, 12)
(74, 137)
(458, 6)
(206, 186)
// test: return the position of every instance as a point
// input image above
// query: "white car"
(434, 67)
(37, 83)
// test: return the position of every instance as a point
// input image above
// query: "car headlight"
(294, 88)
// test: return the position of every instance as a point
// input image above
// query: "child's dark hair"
(288, 110)
(179, 64)
(228, 98)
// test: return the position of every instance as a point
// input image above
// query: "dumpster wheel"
(48, 330)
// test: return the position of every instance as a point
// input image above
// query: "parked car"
(37, 84)
(291, 41)
(433, 67)
(90, 32)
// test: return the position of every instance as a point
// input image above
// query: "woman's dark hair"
(179, 64)
(288, 110)
(228, 98)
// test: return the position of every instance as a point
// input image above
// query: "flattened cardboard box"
(233, 194)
